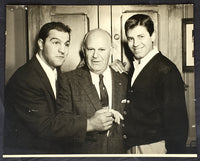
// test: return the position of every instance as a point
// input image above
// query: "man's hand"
(117, 116)
(102, 120)
(118, 66)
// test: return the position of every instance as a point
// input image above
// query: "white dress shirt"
(51, 73)
(107, 80)
(140, 64)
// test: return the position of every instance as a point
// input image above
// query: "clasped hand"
(103, 119)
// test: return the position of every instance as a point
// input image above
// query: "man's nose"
(62, 49)
(136, 42)
(95, 54)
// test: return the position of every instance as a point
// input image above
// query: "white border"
(104, 155)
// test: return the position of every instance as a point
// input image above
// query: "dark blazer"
(79, 97)
(32, 124)
(157, 109)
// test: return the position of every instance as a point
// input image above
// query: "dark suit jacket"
(79, 97)
(32, 124)
(157, 109)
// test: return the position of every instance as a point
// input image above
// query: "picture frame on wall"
(188, 44)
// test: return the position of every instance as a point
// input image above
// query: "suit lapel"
(86, 83)
(42, 75)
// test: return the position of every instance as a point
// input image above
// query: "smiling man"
(32, 123)
(156, 117)
(92, 97)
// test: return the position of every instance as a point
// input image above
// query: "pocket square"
(125, 101)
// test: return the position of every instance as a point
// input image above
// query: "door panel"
(79, 18)
(77, 34)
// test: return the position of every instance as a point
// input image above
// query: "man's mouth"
(60, 57)
(138, 48)
(95, 61)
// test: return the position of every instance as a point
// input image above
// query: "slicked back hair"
(140, 20)
(44, 31)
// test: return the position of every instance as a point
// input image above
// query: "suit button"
(131, 91)
(127, 101)
(124, 136)
(122, 125)
(125, 112)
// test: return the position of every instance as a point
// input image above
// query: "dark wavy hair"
(140, 20)
(44, 31)
(46, 28)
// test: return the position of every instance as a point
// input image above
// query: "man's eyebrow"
(55, 38)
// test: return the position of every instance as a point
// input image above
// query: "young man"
(32, 124)
(92, 97)
(156, 117)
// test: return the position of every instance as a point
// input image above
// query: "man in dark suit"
(156, 117)
(94, 105)
(32, 124)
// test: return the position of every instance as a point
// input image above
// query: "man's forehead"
(137, 30)
(58, 34)
(99, 37)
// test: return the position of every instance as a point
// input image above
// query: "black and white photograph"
(99, 81)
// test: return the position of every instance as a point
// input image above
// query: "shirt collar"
(46, 68)
(148, 57)
(105, 73)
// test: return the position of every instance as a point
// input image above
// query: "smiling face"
(97, 51)
(55, 48)
(139, 41)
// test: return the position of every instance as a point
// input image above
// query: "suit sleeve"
(76, 121)
(30, 102)
(175, 113)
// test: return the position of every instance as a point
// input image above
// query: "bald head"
(97, 49)
(97, 35)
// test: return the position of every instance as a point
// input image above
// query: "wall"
(16, 42)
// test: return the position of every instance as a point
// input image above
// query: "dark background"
(196, 3)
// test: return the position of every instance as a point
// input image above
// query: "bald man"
(92, 96)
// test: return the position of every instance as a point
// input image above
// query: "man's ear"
(83, 50)
(153, 36)
(40, 44)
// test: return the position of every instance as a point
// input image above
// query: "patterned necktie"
(103, 92)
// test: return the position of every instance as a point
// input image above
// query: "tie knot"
(101, 76)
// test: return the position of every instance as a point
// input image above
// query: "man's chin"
(59, 64)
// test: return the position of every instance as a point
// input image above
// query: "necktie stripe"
(103, 92)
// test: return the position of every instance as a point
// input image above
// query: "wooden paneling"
(16, 43)
(163, 31)
(175, 35)
(76, 37)
(105, 18)
(33, 28)
(89, 10)
(190, 90)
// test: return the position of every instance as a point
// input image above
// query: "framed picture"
(188, 44)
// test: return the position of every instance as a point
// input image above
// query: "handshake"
(103, 119)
